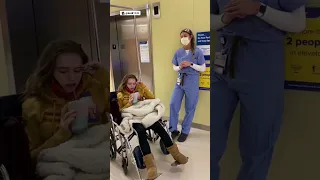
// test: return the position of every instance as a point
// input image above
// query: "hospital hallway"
(197, 148)
(136, 48)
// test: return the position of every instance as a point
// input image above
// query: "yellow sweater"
(123, 96)
(42, 114)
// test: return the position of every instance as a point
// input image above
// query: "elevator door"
(32, 24)
(124, 54)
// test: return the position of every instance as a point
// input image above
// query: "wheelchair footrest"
(138, 156)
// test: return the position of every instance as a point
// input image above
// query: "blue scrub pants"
(190, 89)
(258, 87)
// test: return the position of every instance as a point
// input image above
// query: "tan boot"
(152, 172)
(176, 154)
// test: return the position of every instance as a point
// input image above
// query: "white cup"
(81, 107)
(135, 97)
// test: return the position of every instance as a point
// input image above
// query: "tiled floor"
(197, 148)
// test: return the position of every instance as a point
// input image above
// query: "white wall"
(297, 153)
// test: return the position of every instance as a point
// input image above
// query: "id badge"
(219, 70)
(220, 59)
(179, 80)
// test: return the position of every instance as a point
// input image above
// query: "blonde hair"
(124, 82)
(42, 77)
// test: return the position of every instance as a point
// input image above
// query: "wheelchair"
(15, 159)
(124, 147)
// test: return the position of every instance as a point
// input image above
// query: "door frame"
(6, 43)
(146, 7)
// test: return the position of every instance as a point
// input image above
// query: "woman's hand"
(67, 117)
(187, 63)
(141, 84)
(241, 8)
(91, 67)
(227, 18)
(131, 98)
(184, 64)
(181, 65)
(138, 96)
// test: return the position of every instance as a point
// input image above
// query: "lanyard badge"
(223, 45)
(221, 57)
(222, 40)
(179, 79)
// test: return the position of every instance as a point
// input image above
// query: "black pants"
(142, 134)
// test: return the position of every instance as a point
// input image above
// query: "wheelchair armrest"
(164, 120)
(115, 125)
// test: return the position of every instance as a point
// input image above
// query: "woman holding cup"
(130, 92)
(56, 93)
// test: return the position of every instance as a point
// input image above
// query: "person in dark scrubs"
(248, 68)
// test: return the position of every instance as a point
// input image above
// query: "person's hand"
(187, 63)
(131, 98)
(141, 84)
(227, 18)
(138, 96)
(184, 64)
(181, 65)
(91, 67)
(242, 8)
(67, 117)
(93, 110)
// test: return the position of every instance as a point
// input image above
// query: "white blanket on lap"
(146, 112)
(83, 157)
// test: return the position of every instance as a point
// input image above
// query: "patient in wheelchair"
(64, 75)
(129, 92)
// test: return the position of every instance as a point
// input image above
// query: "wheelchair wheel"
(163, 148)
(124, 154)
(113, 146)
(151, 136)
(125, 165)
(138, 156)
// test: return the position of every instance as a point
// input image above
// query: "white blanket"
(146, 112)
(83, 157)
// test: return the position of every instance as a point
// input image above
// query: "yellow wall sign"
(204, 82)
(302, 63)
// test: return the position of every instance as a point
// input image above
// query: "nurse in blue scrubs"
(248, 68)
(188, 62)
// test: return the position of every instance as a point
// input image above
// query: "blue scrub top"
(196, 58)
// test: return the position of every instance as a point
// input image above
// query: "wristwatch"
(262, 10)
